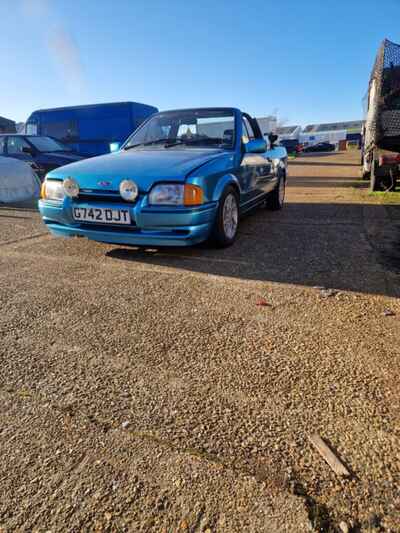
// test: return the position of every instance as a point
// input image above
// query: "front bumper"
(152, 225)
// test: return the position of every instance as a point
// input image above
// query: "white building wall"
(324, 136)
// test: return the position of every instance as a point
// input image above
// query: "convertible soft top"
(18, 181)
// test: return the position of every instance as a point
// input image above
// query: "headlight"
(53, 190)
(176, 194)
(71, 187)
(167, 195)
(128, 190)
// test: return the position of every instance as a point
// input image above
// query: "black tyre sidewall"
(272, 202)
(389, 183)
(375, 180)
(218, 233)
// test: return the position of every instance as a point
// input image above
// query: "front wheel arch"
(218, 235)
(229, 180)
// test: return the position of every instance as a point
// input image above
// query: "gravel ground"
(146, 390)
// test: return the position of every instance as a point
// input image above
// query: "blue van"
(90, 130)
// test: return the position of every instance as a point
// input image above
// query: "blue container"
(90, 129)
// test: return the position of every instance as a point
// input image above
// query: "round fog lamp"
(71, 187)
(128, 190)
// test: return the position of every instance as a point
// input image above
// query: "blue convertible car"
(182, 177)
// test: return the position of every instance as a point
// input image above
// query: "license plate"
(102, 215)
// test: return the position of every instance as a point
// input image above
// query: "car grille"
(102, 196)
(112, 228)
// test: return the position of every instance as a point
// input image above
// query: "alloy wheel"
(230, 216)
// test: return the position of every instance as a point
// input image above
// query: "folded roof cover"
(18, 182)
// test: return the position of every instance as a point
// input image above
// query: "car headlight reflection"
(176, 194)
(71, 187)
(128, 190)
(53, 190)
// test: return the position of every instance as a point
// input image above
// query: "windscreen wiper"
(174, 142)
(200, 140)
(147, 143)
(204, 140)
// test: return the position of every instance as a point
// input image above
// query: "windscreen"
(47, 144)
(215, 128)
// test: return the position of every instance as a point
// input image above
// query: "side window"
(249, 128)
(63, 131)
(245, 133)
(15, 145)
(31, 129)
(2, 144)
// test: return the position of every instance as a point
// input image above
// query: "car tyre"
(389, 182)
(227, 219)
(375, 180)
(365, 174)
(276, 198)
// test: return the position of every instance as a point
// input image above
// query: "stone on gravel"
(389, 312)
(327, 293)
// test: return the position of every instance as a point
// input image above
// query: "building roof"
(286, 130)
(7, 125)
(4, 120)
(334, 126)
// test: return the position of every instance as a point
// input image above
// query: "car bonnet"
(144, 167)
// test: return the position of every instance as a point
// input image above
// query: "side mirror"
(114, 147)
(255, 146)
(272, 139)
(28, 150)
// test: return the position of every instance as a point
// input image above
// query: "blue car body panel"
(254, 175)
(152, 166)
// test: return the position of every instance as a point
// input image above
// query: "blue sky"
(308, 60)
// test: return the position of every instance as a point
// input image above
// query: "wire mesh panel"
(382, 127)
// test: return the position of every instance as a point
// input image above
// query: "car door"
(256, 169)
(15, 148)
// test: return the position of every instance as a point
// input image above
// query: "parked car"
(290, 145)
(320, 147)
(182, 177)
(18, 181)
(42, 153)
(90, 130)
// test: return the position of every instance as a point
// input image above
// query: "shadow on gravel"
(317, 154)
(318, 513)
(324, 182)
(349, 247)
(27, 206)
(322, 164)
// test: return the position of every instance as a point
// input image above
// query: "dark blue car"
(42, 153)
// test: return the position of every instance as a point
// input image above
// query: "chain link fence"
(382, 127)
